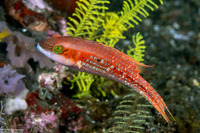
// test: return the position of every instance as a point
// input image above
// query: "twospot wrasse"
(97, 58)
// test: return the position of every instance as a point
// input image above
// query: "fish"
(4, 34)
(99, 59)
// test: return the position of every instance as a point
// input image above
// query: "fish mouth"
(46, 52)
(45, 46)
(43, 50)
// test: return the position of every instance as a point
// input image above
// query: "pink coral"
(10, 81)
(53, 80)
(41, 122)
(50, 33)
(76, 125)
(70, 115)
(62, 24)
(50, 81)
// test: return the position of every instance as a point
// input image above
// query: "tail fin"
(145, 89)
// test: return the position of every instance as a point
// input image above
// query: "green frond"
(137, 53)
(132, 11)
(100, 86)
(84, 82)
(112, 32)
(131, 14)
(129, 117)
(88, 17)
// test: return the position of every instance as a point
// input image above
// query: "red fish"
(97, 58)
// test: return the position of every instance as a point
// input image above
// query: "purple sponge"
(10, 81)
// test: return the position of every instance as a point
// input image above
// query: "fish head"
(56, 49)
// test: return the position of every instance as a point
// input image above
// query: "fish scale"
(110, 68)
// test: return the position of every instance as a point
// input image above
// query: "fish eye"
(58, 49)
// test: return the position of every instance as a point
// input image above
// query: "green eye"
(58, 49)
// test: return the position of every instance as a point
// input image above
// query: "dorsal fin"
(56, 35)
(141, 66)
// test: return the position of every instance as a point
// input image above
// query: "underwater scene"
(99, 66)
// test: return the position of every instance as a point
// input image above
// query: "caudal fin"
(145, 89)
